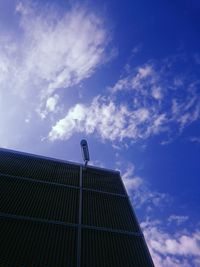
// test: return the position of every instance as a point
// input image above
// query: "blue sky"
(125, 76)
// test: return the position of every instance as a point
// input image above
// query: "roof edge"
(58, 160)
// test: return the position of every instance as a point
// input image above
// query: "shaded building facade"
(59, 214)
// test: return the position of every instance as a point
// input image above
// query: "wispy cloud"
(172, 249)
(106, 118)
(178, 219)
(61, 49)
(131, 181)
(140, 192)
(155, 103)
(51, 106)
(52, 49)
(169, 247)
(171, 93)
(142, 76)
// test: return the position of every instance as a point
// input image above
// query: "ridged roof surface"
(58, 214)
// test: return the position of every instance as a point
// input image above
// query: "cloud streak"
(172, 250)
(156, 102)
(141, 195)
(107, 119)
(178, 219)
(50, 50)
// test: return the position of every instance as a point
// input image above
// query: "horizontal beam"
(60, 184)
(90, 227)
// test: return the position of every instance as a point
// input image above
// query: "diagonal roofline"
(59, 160)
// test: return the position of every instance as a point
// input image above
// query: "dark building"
(58, 214)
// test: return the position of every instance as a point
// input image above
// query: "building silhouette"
(59, 214)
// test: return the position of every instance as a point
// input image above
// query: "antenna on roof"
(85, 151)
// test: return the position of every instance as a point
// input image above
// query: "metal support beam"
(80, 219)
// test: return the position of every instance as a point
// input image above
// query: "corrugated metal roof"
(53, 213)
(108, 211)
(32, 244)
(103, 181)
(106, 249)
(38, 168)
(38, 200)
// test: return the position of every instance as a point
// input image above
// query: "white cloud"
(137, 81)
(157, 93)
(168, 249)
(51, 106)
(120, 85)
(64, 128)
(144, 72)
(187, 111)
(109, 120)
(51, 49)
(175, 107)
(62, 49)
(153, 105)
(141, 195)
(131, 181)
(52, 102)
(178, 219)
(46, 56)
(159, 124)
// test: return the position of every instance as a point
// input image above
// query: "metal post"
(80, 219)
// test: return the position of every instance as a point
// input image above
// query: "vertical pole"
(80, 218)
